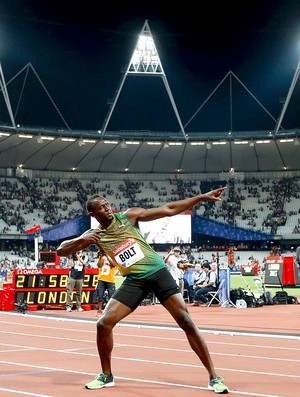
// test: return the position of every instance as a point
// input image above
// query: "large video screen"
(176, 229)
(169, 230)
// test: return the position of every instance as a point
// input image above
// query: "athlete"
(144, 271)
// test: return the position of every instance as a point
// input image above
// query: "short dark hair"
(92, 199)
(206, 265)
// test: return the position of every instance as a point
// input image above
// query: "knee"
(103, 327)
(186, 322)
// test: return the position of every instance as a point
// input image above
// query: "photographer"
(171, 261)
(77, 263)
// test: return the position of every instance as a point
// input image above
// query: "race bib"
(127, 253)
(78, 267)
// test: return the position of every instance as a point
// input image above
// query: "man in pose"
(144, 271)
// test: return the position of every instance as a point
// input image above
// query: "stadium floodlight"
(144, 61)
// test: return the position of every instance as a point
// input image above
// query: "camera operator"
(77, 263)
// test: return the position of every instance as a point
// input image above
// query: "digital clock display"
(49, 286)
(42, 281)
(50, 257)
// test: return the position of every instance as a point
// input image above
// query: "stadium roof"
(186, 148)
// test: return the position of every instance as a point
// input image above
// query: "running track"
(53, 353)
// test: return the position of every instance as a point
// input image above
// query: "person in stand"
(198, 278)
(77, 264)
(185, 266)
(214, 268)
(231, 262)
(210, 284)
(144, 271)
(106, 280)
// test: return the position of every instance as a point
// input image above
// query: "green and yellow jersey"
(125, 245)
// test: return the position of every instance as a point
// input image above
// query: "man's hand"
(91, 238)
(68, 247)
(214, 195)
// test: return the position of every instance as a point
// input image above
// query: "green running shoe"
(218, 386)
(100, 381)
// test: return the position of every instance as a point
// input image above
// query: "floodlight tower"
(145, 61)
(3, 88)
(289, 95)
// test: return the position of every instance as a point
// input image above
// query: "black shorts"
(133, 291)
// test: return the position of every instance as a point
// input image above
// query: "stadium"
(47, 174)
(260, 168)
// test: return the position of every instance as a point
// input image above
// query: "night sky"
(79, 51)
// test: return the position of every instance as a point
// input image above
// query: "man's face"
(101, 211)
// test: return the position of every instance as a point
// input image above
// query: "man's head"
(177, 250)
(99, 208)
(206, 267)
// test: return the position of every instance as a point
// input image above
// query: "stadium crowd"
(254, 203)
(264, 204)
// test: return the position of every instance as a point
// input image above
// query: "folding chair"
(262, 292)
(259, 287)
(184, 292)
(214, 295)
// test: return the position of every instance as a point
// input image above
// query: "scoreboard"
(49, 286)
(50, 257)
